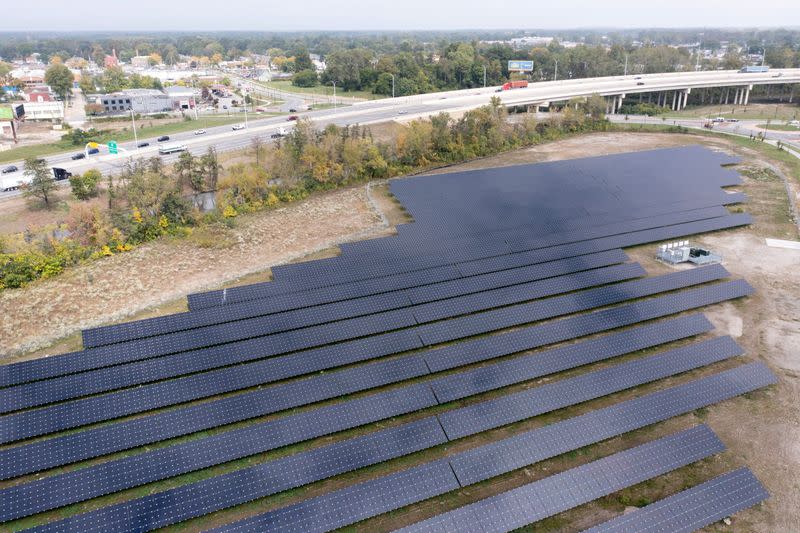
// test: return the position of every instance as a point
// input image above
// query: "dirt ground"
(761, 430)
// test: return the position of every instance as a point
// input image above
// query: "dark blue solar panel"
(352, 504)
(526, 448)
(536, 501)
(694, 508)
(93, 481)
(128, 434)
(579, 301)
(171, 506)
(538, 400)
(456, 386)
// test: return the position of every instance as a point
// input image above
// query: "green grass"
(145, 133)
(781, 112)
(779, 127)
(286, 85)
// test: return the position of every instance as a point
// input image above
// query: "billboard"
(19, 111)
(520, 66)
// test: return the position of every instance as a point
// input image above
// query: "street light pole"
(626, 65)
(244, 101)
(133, 121)
(555, 75)
(484, 76)
(334, 94)
(392, 75)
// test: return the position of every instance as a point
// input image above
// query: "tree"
(302, 60)
(257, 143)
(305, 78)
(85, 186)
(60, 78)
(210, 168)
(5, 68)
(87, 83)
(188, 172)
(154, 59)
(41, 183)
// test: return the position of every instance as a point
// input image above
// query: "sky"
(265, 15)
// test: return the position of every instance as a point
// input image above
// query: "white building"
(44, 110)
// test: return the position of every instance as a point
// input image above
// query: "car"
(778, 75)
(637, 77)
(639, 83)
(200, 132)
(292, 110)
(163, 138)
(9, 169)
(142, 145)
(77, 156)
(260, 110)
(292, 117)
(237, 127)
(733, 120)
(402, 112)
(93, 151)
(718, 119)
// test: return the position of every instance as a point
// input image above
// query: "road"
(223, 138)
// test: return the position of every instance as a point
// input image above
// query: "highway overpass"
(668, 89)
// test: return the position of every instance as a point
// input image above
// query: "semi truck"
(171, 148)
(12, 183)
(515, 84)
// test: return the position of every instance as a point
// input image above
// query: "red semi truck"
(516, 84)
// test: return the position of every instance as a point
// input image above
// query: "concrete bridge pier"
(747, 94)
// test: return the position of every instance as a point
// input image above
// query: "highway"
(223, 138)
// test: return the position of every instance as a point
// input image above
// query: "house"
(39, 93)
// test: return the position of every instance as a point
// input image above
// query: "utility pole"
(484, 76)
(390, 74)
(334, 94)
(244, 102)
(555, 75)
(135, 138)
(626, 65)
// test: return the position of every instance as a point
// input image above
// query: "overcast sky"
(264, 15)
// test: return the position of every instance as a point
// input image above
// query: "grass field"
(782, 112)
(779, 127)
(144, 132)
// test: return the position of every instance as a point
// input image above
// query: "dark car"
(639, 83)
(292, 110)
(10, 169)
(80, 155)
(93, 151)
(163, 138)
(292, 117)
(142, 145)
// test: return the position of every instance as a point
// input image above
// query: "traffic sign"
(521, 66)
(93, 144)
(112, 147)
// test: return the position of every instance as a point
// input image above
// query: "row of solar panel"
(476, 266)
(53, 418)
(168, 462)
(443, 282)
(210, 495)
(43, 392)
(426, 237)
(465, 248)
(379, 269)
(384, 313)
(707, 502)
(549, 496)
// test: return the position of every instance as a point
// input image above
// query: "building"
(29, 77)
(111, 61)
(39, 93)
(140, 62)
(143, 101)
(182, 97)
(44, 110)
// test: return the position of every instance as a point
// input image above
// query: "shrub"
(85, 186)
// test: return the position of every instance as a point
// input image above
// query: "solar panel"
(240, 486)
(561, 305)
(149, 466)
(161, 426)
(456, 386)
(15, 427)
(694, 508)
(538, 400)
(526, 448)
(217, 493)
(549, 496)
(357, 502)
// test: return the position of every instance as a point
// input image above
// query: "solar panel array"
(531, 257)
(694, 508)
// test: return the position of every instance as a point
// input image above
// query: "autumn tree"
(59, 77)
(85, 186)
(41, 184)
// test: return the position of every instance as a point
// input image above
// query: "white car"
(236, 127)
(200, 132)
